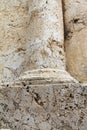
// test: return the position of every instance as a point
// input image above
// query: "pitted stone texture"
(76, 38)
(13, 23)
(45, 42)
(61, 106)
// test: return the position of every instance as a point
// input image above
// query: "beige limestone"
(32, 104)
(31, 36)
(45, 57)
(45, 40)
(13, 25)
(75, 15)
(45, 97)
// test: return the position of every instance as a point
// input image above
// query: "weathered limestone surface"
(31, 36)
(13, 24)
(44, 104)
(76, 37)
(45, 40)
(45, 96)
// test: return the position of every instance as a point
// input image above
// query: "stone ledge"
(41, 77)
(47, 76)
(49, 106)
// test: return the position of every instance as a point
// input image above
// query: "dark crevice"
(63, 10)
(75, 20)
(37, 99)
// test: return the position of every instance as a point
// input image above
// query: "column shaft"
(45, 43)
(45, 40)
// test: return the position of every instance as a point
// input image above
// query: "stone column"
(76, 38)
(45, 42)
(32, 38)
(45, 39)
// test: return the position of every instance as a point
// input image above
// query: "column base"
(47, 76)
(42, 77)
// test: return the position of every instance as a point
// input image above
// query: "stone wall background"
(13, 25)
(75, 17)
